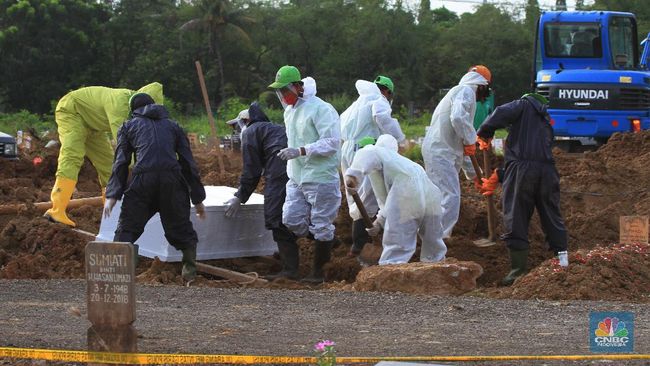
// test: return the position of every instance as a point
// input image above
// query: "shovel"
(491, 209)
(370, 254)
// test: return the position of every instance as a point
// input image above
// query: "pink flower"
(320, 346)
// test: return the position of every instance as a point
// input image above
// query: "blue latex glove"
(289, 153)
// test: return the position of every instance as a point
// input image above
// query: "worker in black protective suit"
(530, 179)
(261, 141)
(164, 179)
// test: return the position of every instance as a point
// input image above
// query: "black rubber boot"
(322, 253)
(518, 264)
(289, 256)
(189, 263)
(359, 238)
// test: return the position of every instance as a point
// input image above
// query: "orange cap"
(483, 70)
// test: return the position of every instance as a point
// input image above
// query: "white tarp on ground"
(219, 236)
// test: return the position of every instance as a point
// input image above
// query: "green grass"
(12, 122)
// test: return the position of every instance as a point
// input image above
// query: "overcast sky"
(463, 6)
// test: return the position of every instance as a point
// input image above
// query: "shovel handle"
(477, 168)
(362, 210)
(491, 207)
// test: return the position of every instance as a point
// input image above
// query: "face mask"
(482, 93)
(288, 96)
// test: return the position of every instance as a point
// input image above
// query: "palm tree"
(218, 18)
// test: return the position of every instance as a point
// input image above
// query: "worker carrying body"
(261, 142)
(313, 138)
(164, 179)
(409, 204)
(368, 116)
(530, 179)
(85, 117)
(450, 138)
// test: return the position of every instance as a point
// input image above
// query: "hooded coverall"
(442, 149)
(164, 178)
(313, 191)
(87, 118)
(409, 204)
(369, 115)
(530, 179)
(261, 142)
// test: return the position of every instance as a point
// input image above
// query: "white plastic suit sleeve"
(461, 116)
(323, 147)
(328, 131)
(350, 172)
(381, 113)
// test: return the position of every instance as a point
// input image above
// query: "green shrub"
(414, 153)
(24, 120)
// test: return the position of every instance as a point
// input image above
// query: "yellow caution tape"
(162, 358)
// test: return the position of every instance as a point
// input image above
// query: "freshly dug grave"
(596, 187)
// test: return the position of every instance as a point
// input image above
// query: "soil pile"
(35, 248)
(450, 277)
(603, 185)
(616, 273)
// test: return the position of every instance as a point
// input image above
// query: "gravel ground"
(174, 319)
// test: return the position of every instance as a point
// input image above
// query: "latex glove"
(289, 153)
(351, 184)
(232, 206)
(469, 150)
(483, 143)
(490, 184)
(200, 210)
(376, 228)
(108, 207)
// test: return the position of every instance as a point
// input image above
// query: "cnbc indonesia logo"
(611, 332)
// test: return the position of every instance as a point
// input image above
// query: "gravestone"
(110, 278)
(633, 229)
(110, 296)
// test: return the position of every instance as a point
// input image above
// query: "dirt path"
(35, 313)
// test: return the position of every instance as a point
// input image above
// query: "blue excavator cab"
(588, 64)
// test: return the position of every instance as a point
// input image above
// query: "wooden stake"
(214, 137)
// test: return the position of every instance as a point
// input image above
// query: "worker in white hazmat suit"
(369, 116)
(313, 147)
(450, 137)
(409, 204)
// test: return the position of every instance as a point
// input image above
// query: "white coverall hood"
(309, 87)
(473, 78)
(388, 142)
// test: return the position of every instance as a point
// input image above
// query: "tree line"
(49, 47)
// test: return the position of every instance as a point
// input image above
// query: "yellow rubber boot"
(61, 194)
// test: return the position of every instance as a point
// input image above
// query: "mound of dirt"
(603, 185)
(35, 248)
(616, 273)
(450, 277)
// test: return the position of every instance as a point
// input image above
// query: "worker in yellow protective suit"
(85, 117)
